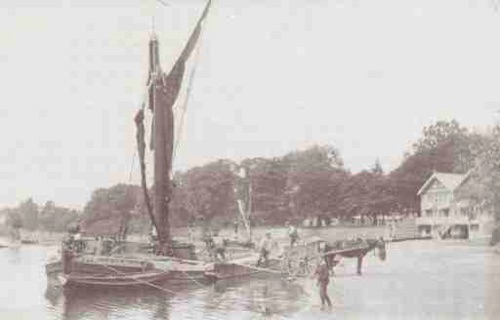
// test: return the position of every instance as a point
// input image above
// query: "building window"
(428, 212)
(464, 211)
(445, 212)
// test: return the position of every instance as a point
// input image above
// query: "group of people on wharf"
(99, 245)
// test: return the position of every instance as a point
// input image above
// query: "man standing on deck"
(191, 232)
(323, 279)
(219, 248)
(265, 248)
(235, 225)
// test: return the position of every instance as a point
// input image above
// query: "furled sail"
(163, 90)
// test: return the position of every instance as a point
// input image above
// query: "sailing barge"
(170, 260)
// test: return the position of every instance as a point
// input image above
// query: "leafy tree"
(265, 183)
(14, 219)
(115, 203)
(48, 216)
(484, 179)
(206, 192)
(444, 147)
(312, 182)
(28, 211)
(56, 219)
(367, 194)
(436, 133)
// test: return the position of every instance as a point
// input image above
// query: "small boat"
(10, 245)
(53, 268)
(29, 241)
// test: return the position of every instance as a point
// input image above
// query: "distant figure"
(68, 242)
(67, 258)
(293, 234)
(100, 245)
(107, 245)
(265, 249)
(495, 236)
(219, 248)
(215, 246)
(94, 247)
(392, 230)
(235, 225)
(209, 244)
(191, 232)
(323, 279)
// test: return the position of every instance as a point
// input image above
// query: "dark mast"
(162, 143)
(163, 90)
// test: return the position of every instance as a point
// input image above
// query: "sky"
(272, 76)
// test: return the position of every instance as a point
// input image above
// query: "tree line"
(316, 183)
(49, 217)
(307, 183)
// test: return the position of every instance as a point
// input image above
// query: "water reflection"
(143, 303)
(263, 295)
(53, 295)
(446, 280)
(492, 290)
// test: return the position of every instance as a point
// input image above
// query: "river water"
(419, 280)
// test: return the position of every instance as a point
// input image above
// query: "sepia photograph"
(250, 159)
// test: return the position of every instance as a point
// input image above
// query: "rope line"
(132, 167)
(193, 279)
(140, 281)
(163, 3)
(260, 269)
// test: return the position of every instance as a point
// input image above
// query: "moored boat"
(29, 241)
(53, 268)
(165, 258)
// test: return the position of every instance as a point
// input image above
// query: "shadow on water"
(262, 294)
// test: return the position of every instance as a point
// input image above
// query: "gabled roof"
(450, 180)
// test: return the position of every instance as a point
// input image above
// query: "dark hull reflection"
(81, 304)
(260, 294)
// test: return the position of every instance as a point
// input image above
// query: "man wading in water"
(323, 278)
(292, 233)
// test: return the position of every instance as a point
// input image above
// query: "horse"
(359, 250)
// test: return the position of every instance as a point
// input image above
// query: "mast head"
(154, 54)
